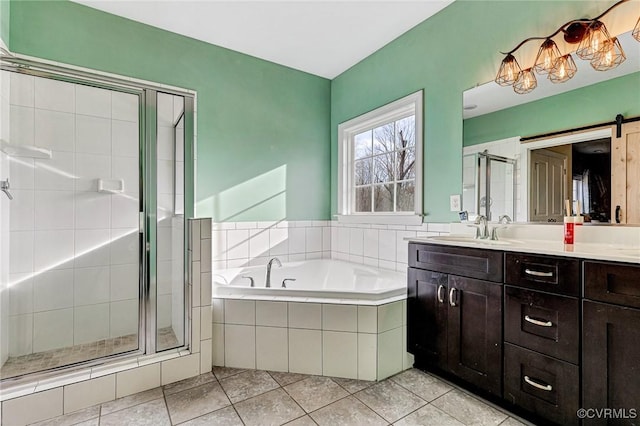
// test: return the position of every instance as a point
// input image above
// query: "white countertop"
(611, 243)
(597, 251)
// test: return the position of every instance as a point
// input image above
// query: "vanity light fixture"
(595, 44)
(526, 82)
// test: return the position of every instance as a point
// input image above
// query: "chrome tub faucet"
(277, 262)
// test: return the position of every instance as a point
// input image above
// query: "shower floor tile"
(40, 361)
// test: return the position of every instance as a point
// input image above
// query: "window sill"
(408, 219)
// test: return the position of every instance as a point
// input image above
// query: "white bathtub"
(315, 279)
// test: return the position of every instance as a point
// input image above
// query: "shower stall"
(96, 174)
(489, 185)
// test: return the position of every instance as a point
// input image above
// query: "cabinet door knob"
(440, 295)
(538, 322)
(452, 300)
(537, 385)
(538, 273)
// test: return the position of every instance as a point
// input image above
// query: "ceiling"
(320, 37)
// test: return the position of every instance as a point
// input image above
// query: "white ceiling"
(320, 37)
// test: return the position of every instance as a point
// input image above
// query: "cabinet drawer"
(544, 273)
(541, 384)
(467, 262)
(542, 322)
(612, 282)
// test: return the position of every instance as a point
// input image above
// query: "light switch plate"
(454, 202)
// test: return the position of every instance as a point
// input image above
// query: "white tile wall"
(237, 244)
(381, 246)
(62, 230)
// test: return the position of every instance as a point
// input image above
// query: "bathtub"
(337, 319)
(314, 279)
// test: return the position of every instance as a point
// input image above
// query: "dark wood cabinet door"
(427, 317)
(475, 332)
(611, 360)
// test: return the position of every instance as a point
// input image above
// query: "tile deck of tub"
(255, 397)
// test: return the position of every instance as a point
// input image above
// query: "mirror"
(551, 169)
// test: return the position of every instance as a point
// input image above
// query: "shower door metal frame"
(489, 158)
(147, 281)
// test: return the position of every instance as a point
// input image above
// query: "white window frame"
(411, 104)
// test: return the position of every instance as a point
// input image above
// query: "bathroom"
(262, 151)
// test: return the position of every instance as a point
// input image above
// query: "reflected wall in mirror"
(496, 118)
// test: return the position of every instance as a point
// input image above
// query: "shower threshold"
(54, 358)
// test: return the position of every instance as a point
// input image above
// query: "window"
(380, 174)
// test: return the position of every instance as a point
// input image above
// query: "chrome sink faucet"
(482, 229)
(503, 221)
(277, 262)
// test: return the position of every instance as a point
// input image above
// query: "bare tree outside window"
(384, 167)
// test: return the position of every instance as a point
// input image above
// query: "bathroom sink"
(469, 240)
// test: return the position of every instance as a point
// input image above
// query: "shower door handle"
(4, 187)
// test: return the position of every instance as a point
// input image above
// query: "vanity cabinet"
(454, 310)
(611, 332)
(547, 334)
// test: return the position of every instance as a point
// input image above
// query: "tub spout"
(277, 262)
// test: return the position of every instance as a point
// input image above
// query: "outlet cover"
(454, 202)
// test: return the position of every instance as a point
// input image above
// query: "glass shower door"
(72, 291)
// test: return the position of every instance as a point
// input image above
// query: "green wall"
(593, 104)
(262, 129)
(450, 52)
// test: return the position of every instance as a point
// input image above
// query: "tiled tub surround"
(237, 244)
(328, 339)
(28, 402)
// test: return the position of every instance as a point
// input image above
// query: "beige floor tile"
(352, 385)
(92, 422)
(195, 402)
(224, 417)
(222, 372)
(315, 392)
(348, 411)
(390, 400)
(422, 384)
(130, 401)
(469, 410)
(152, 413)
(248, 384)
(189, 383)
(428, 416)
(271, 408)
(514, 422)
(302, 421)
(285, 379)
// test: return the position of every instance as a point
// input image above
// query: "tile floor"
(252, 397)
(40, 361)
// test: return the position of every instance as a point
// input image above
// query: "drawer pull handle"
(452, 300)
(537, 322)
(440, 295)
(538, 385)
(538, 273)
